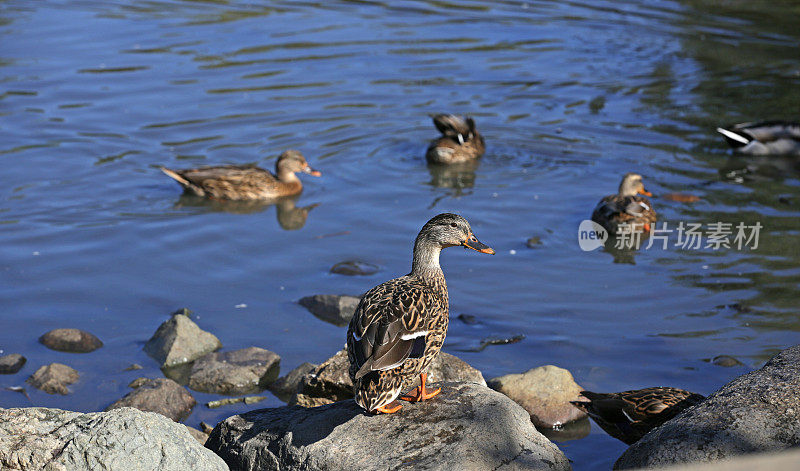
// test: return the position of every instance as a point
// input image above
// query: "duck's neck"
(287, 176)
(426, 259)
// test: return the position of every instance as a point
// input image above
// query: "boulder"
(755, 412)
(244, 371)
(179, 340)
(467, 426)
(161, 395)
(201, 437)
(53, 378)
(286, 386)
(70, 340)
(122, 439)
(11, 363)
(330, 381)
(332, 308)
(545, 393)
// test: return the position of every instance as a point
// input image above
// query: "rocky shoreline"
(468, 426)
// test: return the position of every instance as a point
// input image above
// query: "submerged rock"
(726, 360)
(286, 386)
(242, 371)
(755, 412)
(122, 439)
(11, 363)
(544, 392)
(336, 309)
(330, 381)
(179, 340)
(161, 395)
(354, 268)
(54, 378)
(70, 340)
(467, 426)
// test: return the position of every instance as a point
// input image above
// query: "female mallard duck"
(764, 138)
(245, 182)
(460, 141)
(626, 207)
(399, 326)
(629, 415)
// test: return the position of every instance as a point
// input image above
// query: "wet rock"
(534, 242)
(53, 378)
(467, 426)
(286, 386)
(161, 395)
(179, 340)
(138, 382)
(726, 361)
(336, 309)
(330, 381)
(468, 319)
(354, 268)
(197, 435)
(56, 440)
(753, 413)
(544, 392)
(70, 340)
(11, 363)
(242, 371)
(235, 400)
(134, 366)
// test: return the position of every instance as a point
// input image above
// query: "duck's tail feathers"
(186, 184)
(734, 139)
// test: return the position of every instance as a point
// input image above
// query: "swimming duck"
(764, 138)
(245, 182)
(399, 326)
(629, 415)
(626, 207)
(460, 141)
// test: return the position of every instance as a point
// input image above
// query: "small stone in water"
(534, 242)
(11, 363)
(726, 361)
(468, 319)
(70, 340)
(354, 268)
(134, 366)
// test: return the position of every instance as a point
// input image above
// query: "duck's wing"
(742, 134)
(231, 173)
(389, 325)
(453, 126)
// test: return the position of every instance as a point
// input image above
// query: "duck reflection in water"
(290, 216)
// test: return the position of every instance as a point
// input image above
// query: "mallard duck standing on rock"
(629, 415)
(245, 182)
(764, 138)
(626, 207)
(399, 326)
(460, 141)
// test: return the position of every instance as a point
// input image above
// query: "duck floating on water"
(399, 326)
(626, 207)
(629, 415)
(245, 182)
(460, 141)
(764, 138)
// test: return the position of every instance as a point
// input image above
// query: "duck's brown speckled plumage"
(460, 141)
(245, 182)
(399, 326)
(629, 415)
(626, 207)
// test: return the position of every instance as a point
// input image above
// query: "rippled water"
(569, 95)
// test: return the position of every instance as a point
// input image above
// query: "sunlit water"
(569, 95)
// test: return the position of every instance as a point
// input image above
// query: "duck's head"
(292, 161)
(450, 230)
(632, 185)
(457, 128)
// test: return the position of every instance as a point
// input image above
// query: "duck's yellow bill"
(478, 246)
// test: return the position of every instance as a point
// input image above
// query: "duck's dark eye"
(452, 224)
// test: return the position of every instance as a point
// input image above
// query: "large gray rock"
(54, 378)
(336, 309)
(179, 340)
(122, 439)
(71, 340)
(545, 393)
(753, 413)
(244, 371)
(286, 386)
(467, 426)
(160, 395)
(330, 381)
(11, 363)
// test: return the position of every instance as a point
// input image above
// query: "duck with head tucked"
(245, 182)
(460, 141)
(399, 326)
(629, 415)
(626, 211)
(763, 138)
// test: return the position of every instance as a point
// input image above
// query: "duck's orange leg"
(420, 393)
(390, 408)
